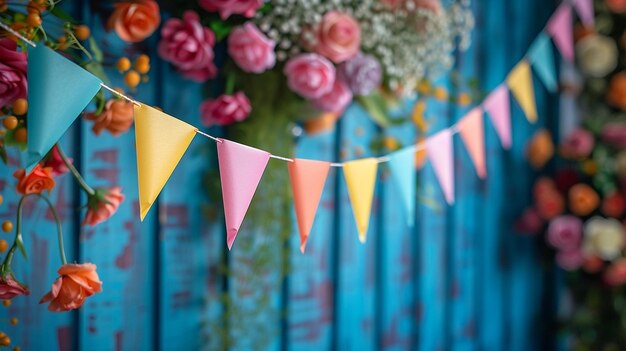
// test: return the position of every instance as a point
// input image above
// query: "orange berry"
(464, 99)
(123, 64)
(7, 226)
(34, 7)
(5, 341)
(440, 94)
(132, 78)
(142, 60)
(82, 32)
(13, 321)
(10, 123)
(1, 199)
(4, 7)
(6, 303)
(33, 20)
(20, 135)
(16, 348)
(142, 67)
(4, 245)
(20, 106)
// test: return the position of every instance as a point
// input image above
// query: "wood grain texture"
(461, 279)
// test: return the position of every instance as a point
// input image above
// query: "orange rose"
(117, 117)
(134, 21)
(617, 91)
(76, 283)
(540, 149)
(103, 205)
(35, 182)
(550, 204)
(583, 199)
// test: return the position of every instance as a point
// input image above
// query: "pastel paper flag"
(471, 128)
(241, 169)
(360, 178)
(161, 141)
(439, 147)
(497, 106)
(560, 28)
(585, 11)
(520, 82)
(541, 58)
(307, 183)
(403, 172)
(58, 91)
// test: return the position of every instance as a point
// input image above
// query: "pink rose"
(578, 144)
(616, 6)
(251, 50)
(570, 260)
(226, 109)
(310, 75)
(338, 37)
(335, 100)
(189, 46)
(615, 134)
(615, 274)
(228, 7)
(103, 205)
(10, 288)
(12, 73)
(565, 232)
(54, 161)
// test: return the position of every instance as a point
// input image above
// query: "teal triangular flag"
(541, 57)
(402, 166)
(58, 90)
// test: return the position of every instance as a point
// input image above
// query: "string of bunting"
(161, 140)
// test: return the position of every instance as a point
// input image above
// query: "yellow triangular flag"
(161, 141)
(520, 81)
(361, 177)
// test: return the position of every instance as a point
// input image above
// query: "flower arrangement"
(581, 208)
(30, 20)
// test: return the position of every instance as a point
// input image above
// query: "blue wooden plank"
(310, 279)
(357, 262)
(396, 284)
(491, 279)
(121, 317)
(38, 328)
(431, 230)
(190, 245)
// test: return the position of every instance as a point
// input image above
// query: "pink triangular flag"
(584, 8)
(498, 108)
(473, 135)
(241, 169)
(439, 147)
(560, 28)
(307, 183)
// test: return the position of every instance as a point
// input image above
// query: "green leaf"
(20, 245)
(377, 108)
(95, 50)
(3, 155)
(58, 12)
(220, 28)
(96, 69)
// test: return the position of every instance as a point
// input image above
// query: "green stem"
(81, 181)
(6, 264)
(59, 229)
(229, 89)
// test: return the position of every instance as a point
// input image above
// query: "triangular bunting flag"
(307, 183)
(439, 147)
(560, 28)
(472, 132)
(58, 90)
(497, 106)
(541, 58)
(161, 140)
(361, 178)
(402, 166)
(241, 169)
(585, 11)
(520, 82)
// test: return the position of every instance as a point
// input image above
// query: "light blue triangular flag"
(58, 90)
(541, 58)
(402, 166)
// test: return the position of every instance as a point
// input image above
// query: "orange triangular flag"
(520, 81)
(307, 183)
(473, 135)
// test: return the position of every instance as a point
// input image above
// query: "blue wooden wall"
(460, 280)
